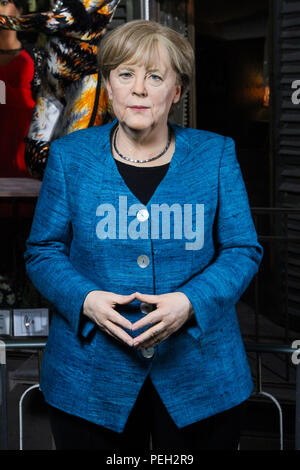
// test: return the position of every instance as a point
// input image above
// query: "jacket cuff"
(81, 324)
(201, 312)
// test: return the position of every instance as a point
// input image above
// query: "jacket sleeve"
(47, 249)
(214, 290)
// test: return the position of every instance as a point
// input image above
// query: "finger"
(154, 341)
(114, 336)
(117, 318)
(109, 333)
(151, 299)
(150, 319)
(124, 299)
(118, 333)
(150, 335)
(151, 343)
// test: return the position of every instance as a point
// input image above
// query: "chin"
(138, 125)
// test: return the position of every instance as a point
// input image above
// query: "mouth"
(139, 107)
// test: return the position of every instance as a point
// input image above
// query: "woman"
(144, 337)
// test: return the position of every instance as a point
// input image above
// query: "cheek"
(119, 95)
(163, 100)
(119, 101)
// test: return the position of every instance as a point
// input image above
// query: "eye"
(155, 77)
(125, 75)
(3, 3)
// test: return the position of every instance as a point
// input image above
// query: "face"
(8, 8)
(141, 98)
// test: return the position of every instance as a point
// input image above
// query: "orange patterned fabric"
(71, 96)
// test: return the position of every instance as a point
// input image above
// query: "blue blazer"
(201, 369)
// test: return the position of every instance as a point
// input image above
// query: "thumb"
(151, 299)
(125, 299)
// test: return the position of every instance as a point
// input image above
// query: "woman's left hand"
(172, 311)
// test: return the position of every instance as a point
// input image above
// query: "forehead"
(152, 57)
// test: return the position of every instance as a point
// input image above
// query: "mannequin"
(17, 73)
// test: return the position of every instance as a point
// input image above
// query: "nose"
(138, 87)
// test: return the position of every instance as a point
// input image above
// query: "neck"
(144, 143)
(9, 40)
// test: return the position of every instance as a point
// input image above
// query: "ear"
(177, 94)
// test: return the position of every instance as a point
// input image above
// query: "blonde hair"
(137, 41)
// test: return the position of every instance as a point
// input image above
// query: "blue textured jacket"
(202, 368)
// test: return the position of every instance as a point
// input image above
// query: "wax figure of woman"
(71, 96)
(144, 338)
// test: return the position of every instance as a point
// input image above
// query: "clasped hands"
(171, 312)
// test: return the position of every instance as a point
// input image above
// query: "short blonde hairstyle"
(136, 42)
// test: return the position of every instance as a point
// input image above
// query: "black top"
(142, 181)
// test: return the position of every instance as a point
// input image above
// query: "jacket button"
(146, 308)
(143, 261)
(148, 352)
(142, 215)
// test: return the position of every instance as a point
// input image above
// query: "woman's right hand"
(99, 307)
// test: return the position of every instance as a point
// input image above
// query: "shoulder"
(83, 139)
(200, 136)
(202, 143)
(81, 149)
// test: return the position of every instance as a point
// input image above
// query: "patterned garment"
(71, 96)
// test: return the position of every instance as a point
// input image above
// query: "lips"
(138, 107)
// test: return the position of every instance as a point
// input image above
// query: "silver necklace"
(140, 161)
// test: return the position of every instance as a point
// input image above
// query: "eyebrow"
(130, 68)
(156, 70)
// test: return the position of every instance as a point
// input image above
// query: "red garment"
(15, 118)
(16, 114)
